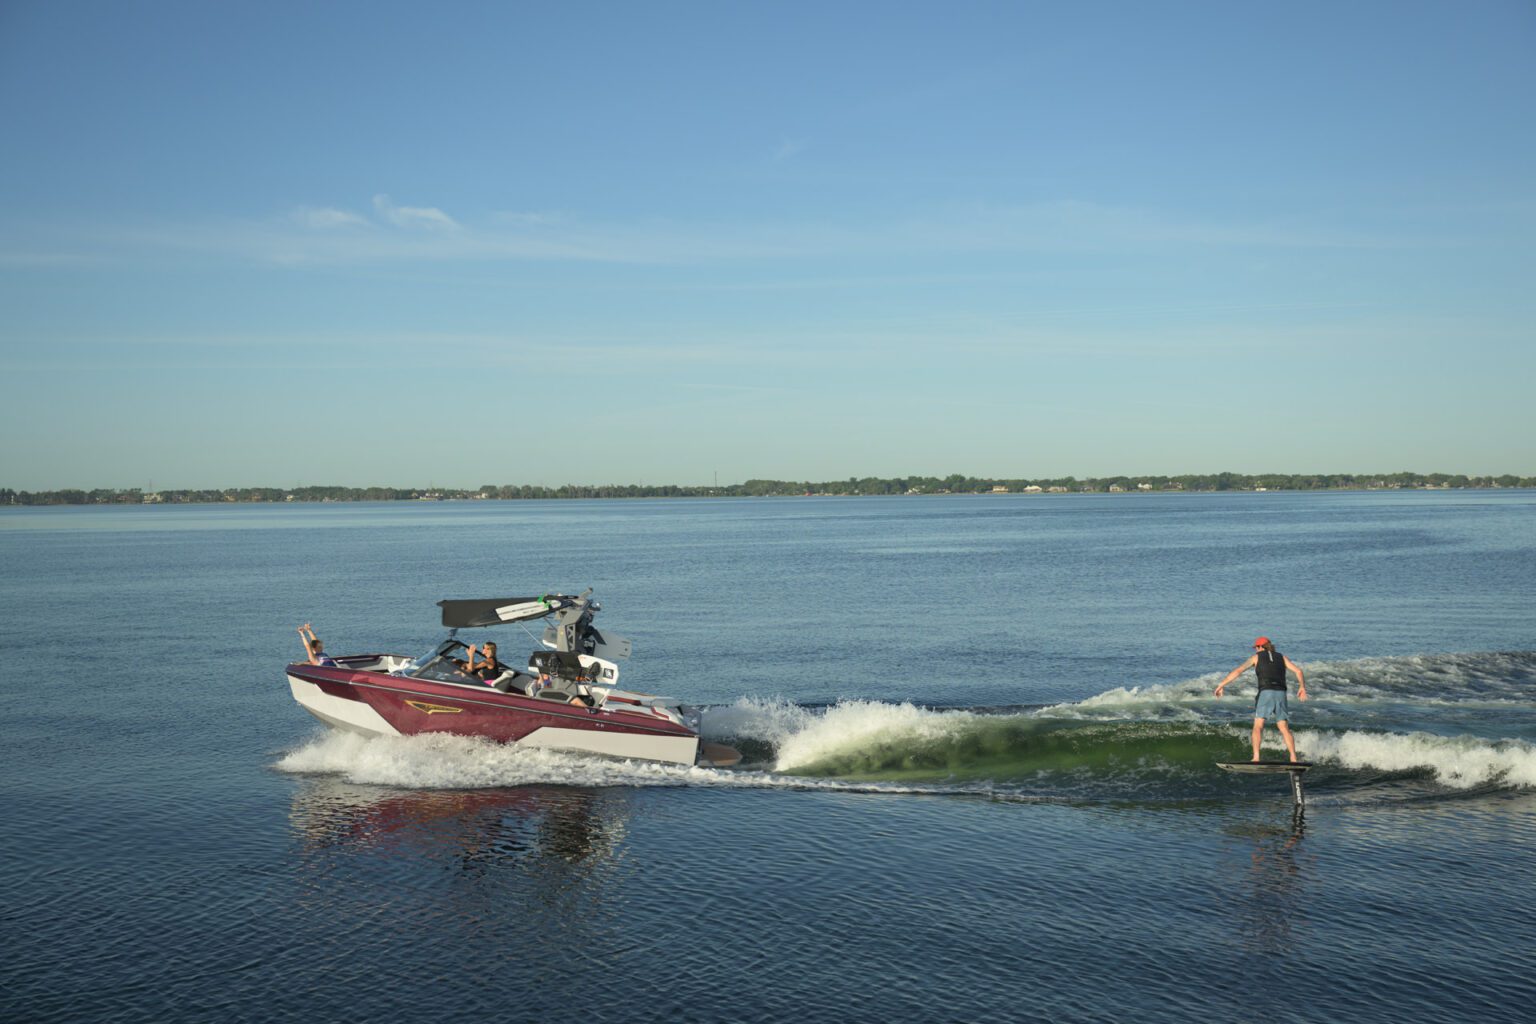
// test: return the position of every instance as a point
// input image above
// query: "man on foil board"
(1270, 704)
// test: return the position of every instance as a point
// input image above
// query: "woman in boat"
(484, 666)
(315, 648)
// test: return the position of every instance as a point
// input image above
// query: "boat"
(567, 697)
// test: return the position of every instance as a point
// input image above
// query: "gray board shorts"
(1270, 706)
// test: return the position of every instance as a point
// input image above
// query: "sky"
(455, 244)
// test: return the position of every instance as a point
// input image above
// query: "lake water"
(979, 782)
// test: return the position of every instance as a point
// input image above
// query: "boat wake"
(442, 761)
(1431, 725)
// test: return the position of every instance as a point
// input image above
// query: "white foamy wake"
(768, 720)
(1460, 762)
(857, 725)
(1493, 677)
(1485, 679)
(801, 736)
(441, 761)
(1181, 701)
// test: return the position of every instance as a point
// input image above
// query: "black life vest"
(486, 673)
(1270, 669)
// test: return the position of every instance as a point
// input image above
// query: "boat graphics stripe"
(433, 709)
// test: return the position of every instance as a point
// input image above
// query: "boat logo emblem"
(433, 709)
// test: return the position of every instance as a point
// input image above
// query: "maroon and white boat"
(566, 698)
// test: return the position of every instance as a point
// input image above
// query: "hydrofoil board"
(1264, 767)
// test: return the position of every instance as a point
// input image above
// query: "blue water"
(978, 784)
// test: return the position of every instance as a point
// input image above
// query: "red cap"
(1262, 641)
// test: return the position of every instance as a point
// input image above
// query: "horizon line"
(910, 484)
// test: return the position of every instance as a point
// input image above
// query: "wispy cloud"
(525, 218)
(413, 216)
(394, 233)
(324, 218)
(23, 259)
(788, 149)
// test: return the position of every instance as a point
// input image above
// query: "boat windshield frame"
(437, 666)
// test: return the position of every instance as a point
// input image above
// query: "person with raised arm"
(484, 666)
(315, 648)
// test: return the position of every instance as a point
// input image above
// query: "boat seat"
(566, 697)
(512, 682)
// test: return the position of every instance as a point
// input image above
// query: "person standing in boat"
(315, 648)
(1270, 666)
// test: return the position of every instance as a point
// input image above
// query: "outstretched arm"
(307, 638)
(1301, 680)
(1245, 666)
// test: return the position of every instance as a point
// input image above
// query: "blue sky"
(459, 243)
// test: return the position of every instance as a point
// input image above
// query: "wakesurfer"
(1270, 666)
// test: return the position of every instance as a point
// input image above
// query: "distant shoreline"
(865, 487)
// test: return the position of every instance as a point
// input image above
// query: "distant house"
(999, 489)
(1058, 489)
(1035, 489)
(1116, 489)
(1143, 487)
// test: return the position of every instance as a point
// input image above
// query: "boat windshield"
(445, 664)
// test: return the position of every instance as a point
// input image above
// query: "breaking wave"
(1458, 762)
(1496, 678)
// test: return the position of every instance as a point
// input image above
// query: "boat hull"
(378, 704)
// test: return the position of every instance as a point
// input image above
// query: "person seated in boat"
(315, 648)
(545, 681)
(484, 666)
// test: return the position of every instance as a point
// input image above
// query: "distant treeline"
(955, 484)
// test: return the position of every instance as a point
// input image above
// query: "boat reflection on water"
(491, 873)
(479, 829)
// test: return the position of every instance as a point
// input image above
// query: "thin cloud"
(333, 236)
(789, 149)
(413, 216)
(324, 218)
(24, 259)
(1081, 226)
(527, 218)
